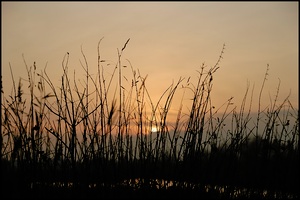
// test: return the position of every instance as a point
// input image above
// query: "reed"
(96, 138)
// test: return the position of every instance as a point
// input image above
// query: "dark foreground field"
(217, 175)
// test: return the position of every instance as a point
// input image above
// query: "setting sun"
(154, 129)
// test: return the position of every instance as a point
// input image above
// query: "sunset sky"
(168, 40)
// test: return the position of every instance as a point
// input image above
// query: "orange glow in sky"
(168, 40)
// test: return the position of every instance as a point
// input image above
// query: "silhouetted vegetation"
(96, 140)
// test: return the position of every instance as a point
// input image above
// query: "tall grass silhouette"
(95, 139)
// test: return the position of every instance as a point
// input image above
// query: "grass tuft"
(94, 138)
